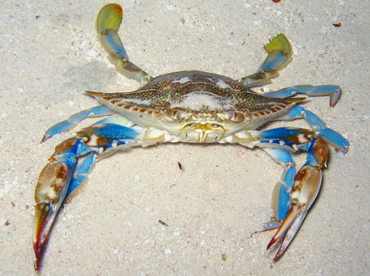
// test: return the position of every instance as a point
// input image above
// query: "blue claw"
(68, 168)
(80, 173)
(52, 189)
(281, 196)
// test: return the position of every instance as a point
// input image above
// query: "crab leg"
(294, 195)
(75, 119)
(332, 91)
(53, 185)
(279, 143)
(281, 194)
(279, 55)
(305, 188)
(332, 137)
(107, 25)
(69, 166)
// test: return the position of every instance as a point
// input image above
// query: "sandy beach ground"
(50, 55)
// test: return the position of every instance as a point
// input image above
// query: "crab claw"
(44, 218)
(51, 189)
(305, 188)
(50, 193)
(309, 178)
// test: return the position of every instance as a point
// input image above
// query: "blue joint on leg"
(107, 136)
(299, 112)
(75, 119)
(279, 133)
(290, 91)
(114, 131)
(274, 61)
(69, 157)
(281, 194)
(110, 133)
(313, 119)
(332, 137)
(114, 128)
(80, 172)
(285, 137)
(113, 44)
(311, 159)
(332, 91)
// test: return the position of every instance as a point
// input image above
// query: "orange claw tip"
(44, 218)
(273, 240)
(36, 264)
(39, 248)
(45, 138)
(278, 256)
(280, 251)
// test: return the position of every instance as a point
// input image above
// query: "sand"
(50, 55)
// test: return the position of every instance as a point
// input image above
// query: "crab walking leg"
(107, 25)
(69, 166)
(332, 91)
(330, 136)
(279, 55)
(306, 187)
(75, 119)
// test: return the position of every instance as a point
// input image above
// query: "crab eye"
(237, 117)
(215, 125)
(175, 114)
(192, 125)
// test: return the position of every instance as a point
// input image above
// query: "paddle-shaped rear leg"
(279, 55)
(107, 25)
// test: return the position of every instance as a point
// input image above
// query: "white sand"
(50, 54)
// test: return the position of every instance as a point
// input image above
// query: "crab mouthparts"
(202, 132)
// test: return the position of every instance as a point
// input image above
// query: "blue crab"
(193, 107)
